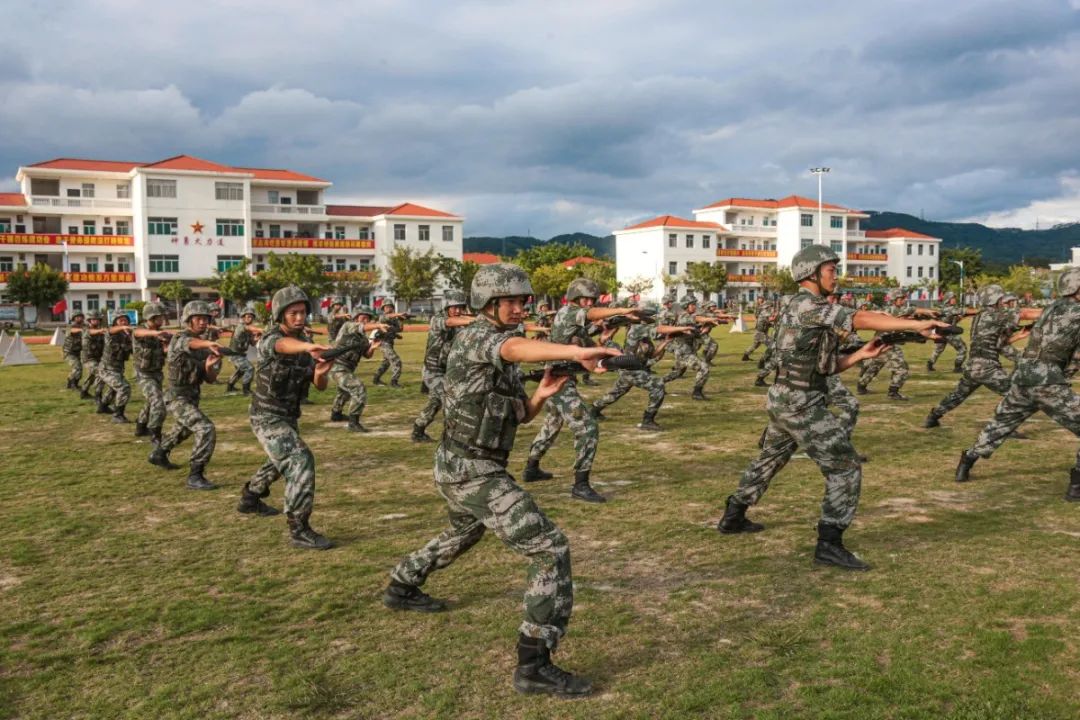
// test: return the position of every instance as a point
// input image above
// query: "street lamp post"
(819, 171)
(963, 302)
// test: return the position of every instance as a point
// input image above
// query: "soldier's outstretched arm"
(870, 320)
(605, 313)
(460, 320)
(147, 332)
(292, 346)
(519, 350)
(1030, 313)
(869, 350)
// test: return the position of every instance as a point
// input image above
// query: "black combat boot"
(930, 366)
(303, 536)
(246, 388)
(71, 384)
(1073, 493)
(378, 379)
(735, 521)
(536, 674)
(963, 468)
(958, 367)
(197, 481)
(648, 422)
(861, 389)
(141, 430)
(337, 416)
(419, 435)
(231, 387)
(582, 490)
(830, 549)
(399, 596)
(894, 393)
(251, 503)
(395, 384)
(932, 420)
(155, 438)
(760, 382)
(85, 394)
(118, 415)
(598, 413)
(102, 407)
(161, 458)
(354, 424)
(533, 472)
(698, 394)
(746, 357)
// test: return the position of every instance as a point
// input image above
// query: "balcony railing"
(289, 209)
(735, 278)
(865, 279)
(867, 257)
(735, 252)
(89, 277)
(356, 275)
(312, 243)
(57, 240)
(856, 233)
(80, 202)
(752, 229)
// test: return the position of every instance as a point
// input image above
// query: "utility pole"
(819, 171)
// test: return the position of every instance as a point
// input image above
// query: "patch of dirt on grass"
(8, 581)
(907, 509)
(950, 500)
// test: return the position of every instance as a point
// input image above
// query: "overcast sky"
(551, 117)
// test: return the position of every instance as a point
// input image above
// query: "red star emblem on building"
(196, 227)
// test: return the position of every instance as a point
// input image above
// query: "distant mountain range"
(1000, 246)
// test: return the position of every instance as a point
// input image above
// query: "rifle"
(564, 368)
(386, 336)
(339, 350)
(901, 337)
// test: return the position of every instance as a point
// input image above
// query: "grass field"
(124, 595)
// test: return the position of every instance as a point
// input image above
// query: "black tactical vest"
(279, 381)
(73, 343)
(92, 345)
(241, 338)
(807, 355)
(117, 351)
(334, 326)
(351, 334)
(187, 370)
(1049, 343)
(149, 354)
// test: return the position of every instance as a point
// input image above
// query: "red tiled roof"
(187, 162)
(674, 221)
(789, 201)
(8, 199)
(581, 259)
(898, 233)
(408, 208)
(480, 258)
(284, 175)
(98, 165)
(357, 210)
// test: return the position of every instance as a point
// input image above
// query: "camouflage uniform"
(343, 373)
(709, 346)
(71, 349)
(641, 340)
(798, 412)
(91, 348)
(391, 360)
(241, 340)
(686, 354)
(149, 362)
(186, 376)
(892, 359)
(484, 402)
(763, 322)
(335, 322)
(951, 314)
(436, 353)
(567, 405)
(845, 402)
(111, 370)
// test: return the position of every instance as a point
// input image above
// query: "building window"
(73, 193)
(92, 303)
(931, 271)
(689, 241)
(275, 231)
(705, 241)
(230, 227)
(399, 232)
(228, 191)
(76, 306)
(164, 263)
(273, 197)
(806, 243)
(123, 264)
(672, 240)
(836, 222)
(72, 267)
(161, 225)
(365, 233)
(89, 227)
(88, 190)
(5, 225)
(909, 271)
(106, 230)
(110, 305)
(339, 264)
(224, 262)
(448, 233)
(909, 249)
(920, 270)
(123, 191)
(123, 227)
(425, 233)
(837, 246)
(73, 229)
(125, 298)
(339, 232)
(920, 248)
(930, 250)
(673, 268)
(7, 263)
(161, 188)
(91, 264)
(109, 266)
(806, 220)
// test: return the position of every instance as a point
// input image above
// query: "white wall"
(639, 253)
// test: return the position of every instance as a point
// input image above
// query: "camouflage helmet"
(809, 259)
(77, 313)
(93, 315)
(649, 306)
(153, 309)
(498, 280)
(454, 297)
(193, 308)
(687, 299)
(363, 310)
(1069, 282)
(1008, 298)
(285, 297)
(582, 288)
(336, 301)
(669, 298)
(991, 295)
(949, 296)
(249, 310)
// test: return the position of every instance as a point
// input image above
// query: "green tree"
(356, 284)
(457, 274)
(412, 274)
(950, 271)
(601, 272)
(176, 291)
(237, 284)
(778, 281)
(1021, 280)
(638, 285)
(550, 281)
(41, 285)
(304, 271)
(550, 254)
(706, 278)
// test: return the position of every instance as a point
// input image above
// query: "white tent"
(5, 340)
(17, 353)
(737, 326)
(57, 337)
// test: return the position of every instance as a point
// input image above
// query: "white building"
(749, 235)
(120, 229)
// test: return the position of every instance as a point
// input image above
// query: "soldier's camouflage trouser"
(769, 362)
(688, 360)
(481, 495)
(119, 388)
(1010, 352)
(435, 384)
(1020, 403)
(288, 456)
(709, 349)
(152, 414)
(390, 360)
(75, 363)
(92, 380)
(189, 420)
(846, 404)
(801, 419)
(760, 338)
(979, 372)
(893, 360)
(350, 389)
(647, 381)
(567, 406)
(245, 371)
(956, 344)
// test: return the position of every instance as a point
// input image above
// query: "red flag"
(59, 307)
(325, 303)
(378, 303)
(268, 306)
(220, 302)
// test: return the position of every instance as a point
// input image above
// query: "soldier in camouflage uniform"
(764, 319)
(71, 349)
(441, 332)
(192, 360)
(686, 346)
(343, 372)
(893, 360)
(149, 361)
(391, 360)
(484, 403)
(709, 346)
(567, 406)
(1042, 381)
(1006, 347)
(92, 347)
(769, 361)
(111, 370)
(807, 342)
(952, 313)
(336, 319)
(284, 366)
(244, 336)
(839, 397)
(984, 367)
